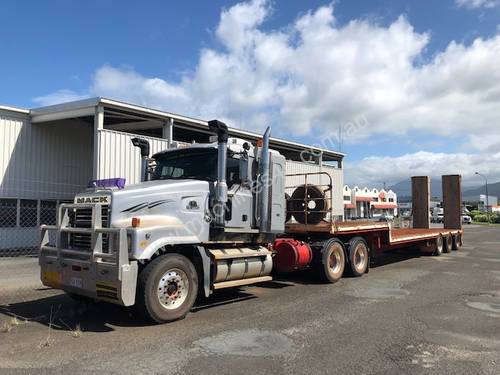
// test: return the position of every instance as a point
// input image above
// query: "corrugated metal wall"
(43, 161)
(54, 160)
(337, 175)
(119, 158)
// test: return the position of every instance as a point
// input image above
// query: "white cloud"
(59, 96)
(374, 170)
(314, 74)
(474, 4)
(130, 85)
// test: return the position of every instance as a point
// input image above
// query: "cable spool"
(308, 208)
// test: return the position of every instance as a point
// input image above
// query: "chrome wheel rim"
(335, 262)
(173, 289)
(359, 257)
(439, 244)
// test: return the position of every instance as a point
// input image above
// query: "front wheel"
(167, 288)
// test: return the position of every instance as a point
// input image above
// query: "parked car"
(466, 219)
(386, 218)
(437, 218)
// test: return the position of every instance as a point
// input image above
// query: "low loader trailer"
(207, 217)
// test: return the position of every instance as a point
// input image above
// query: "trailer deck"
(395, 236)
(399, 236)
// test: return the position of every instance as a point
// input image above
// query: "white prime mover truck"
(206, 217)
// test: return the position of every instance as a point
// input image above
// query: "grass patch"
(487, 224)
(76, 332)
(6, 327)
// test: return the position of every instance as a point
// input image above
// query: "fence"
(20, 220)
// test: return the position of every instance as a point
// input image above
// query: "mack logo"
(102, 200)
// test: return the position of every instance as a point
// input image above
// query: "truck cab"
(201, 219)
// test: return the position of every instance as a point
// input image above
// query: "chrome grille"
(82, 218)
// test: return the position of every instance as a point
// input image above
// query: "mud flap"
(128, 276)
(127, 272)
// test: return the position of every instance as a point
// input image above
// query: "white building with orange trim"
(369, 203)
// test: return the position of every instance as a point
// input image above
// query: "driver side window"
(172, 171)
(232, 171)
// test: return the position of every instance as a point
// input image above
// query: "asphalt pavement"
(410, 314)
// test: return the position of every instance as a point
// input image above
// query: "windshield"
(199, 164)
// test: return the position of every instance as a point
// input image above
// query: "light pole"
(487, 197)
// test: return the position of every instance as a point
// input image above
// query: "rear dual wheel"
(358, 256)
(334, 260)
(438, 246)
(456, 241)
(332, 263)
(447, 243)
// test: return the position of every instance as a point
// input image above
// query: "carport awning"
(384, 206)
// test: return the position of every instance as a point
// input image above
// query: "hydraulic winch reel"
(308, 204)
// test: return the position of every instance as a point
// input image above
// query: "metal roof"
(14, 109)
(86, 107)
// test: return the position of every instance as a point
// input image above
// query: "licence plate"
(51, 278)
(76, 282)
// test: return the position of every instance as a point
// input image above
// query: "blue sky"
(193, 57)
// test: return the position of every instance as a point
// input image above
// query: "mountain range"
(403, 189)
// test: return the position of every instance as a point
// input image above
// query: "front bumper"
(104, 274)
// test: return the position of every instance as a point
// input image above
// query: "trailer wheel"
(332, 263)
(455, 241)
(167, 288)
(447, 244)
(358, 256)
(438, 246)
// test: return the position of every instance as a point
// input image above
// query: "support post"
(452, 201)
(420, 192)
(168, 131)
(98, 125)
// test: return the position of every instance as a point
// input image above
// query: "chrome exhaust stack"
(220, 129)
(264, 182)
(144, 146)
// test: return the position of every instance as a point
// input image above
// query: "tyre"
(455, 242)
(447, 244)
(332, 262)
(167, 288)
(438, 246)
(358, 256)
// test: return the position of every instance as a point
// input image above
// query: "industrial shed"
(48, 154)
